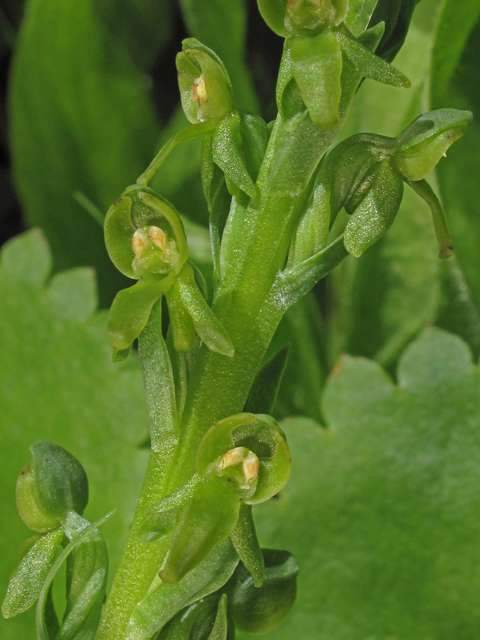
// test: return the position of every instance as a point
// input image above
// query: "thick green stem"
(220, 385)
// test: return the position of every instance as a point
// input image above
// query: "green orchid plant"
(193, 567)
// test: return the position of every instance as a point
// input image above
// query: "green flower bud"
(259, 434)
(52, 485)
(311, 15)
(422, 144)
(144, 234)
(205, 88)
(257, 610)
(291, 17)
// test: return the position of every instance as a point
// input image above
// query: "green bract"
(205, 88)
(145, 240)
(52, 485)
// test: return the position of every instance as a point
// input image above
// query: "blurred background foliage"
(89, 93)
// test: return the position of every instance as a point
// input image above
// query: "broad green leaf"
(80, 120)
(142, 27)
(27, 258)
(456, 21)
(74, 293)
(221, 25)
(58, 383)
(381, 509)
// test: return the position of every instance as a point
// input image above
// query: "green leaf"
(458, 310)
(206, 324)
(80, 120)
(142, 27)
(27, 258)
(165, 600)
(161, 400)
(221, 25)
(74, 294)
(27, 580)
(456, 22)
(58, 383)
(396, 14)
(87, 568)
(381, 507)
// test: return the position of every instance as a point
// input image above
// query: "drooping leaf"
(381, 507)
(58, 383)
(80, 120)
